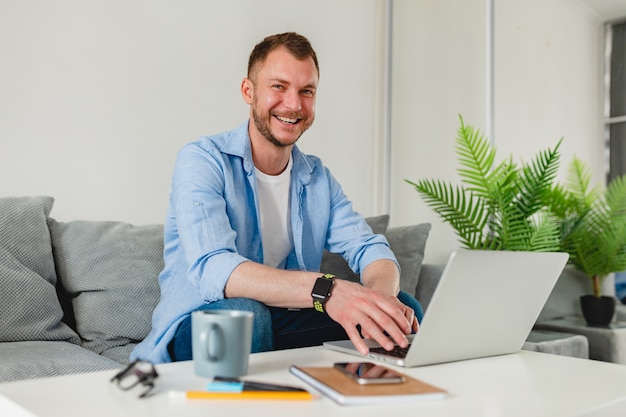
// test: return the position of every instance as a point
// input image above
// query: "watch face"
(322, 287)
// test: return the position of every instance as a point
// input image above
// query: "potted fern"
(498, 206)
(592, 225)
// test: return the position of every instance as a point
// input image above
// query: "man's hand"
(373, 306)
(353, 305)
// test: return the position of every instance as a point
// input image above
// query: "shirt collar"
(238, 144)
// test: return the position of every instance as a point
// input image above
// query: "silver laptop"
(485, 304)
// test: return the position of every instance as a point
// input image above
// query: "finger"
(400, 313)
(395, 326)
(397, 338)
(356, 340)
(381, 328)
(410, 320)
(413, 322)
(415, 325)
(376, 333)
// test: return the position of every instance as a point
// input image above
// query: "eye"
(278, 87)
(308, 93)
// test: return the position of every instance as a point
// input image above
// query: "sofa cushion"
(430, 274)
(31, 359)
(558, 343)
(29, 307)
(110, 270)
(334, 263)
(408, 243)
(120, 354)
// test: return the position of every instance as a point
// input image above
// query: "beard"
(262, 124)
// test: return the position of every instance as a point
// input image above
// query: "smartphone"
(369, 373)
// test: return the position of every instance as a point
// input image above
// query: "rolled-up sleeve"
(349, 234)
(204, 233)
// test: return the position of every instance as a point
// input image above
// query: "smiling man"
(249, 217)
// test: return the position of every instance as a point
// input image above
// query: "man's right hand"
(352, 305)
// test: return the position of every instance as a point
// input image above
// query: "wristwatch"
(321, 291)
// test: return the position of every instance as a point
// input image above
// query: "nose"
(292, 101)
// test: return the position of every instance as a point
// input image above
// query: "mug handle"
(212, 339)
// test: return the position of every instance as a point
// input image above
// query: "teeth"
(287, 120)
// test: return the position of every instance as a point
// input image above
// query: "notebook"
(485, 304)
(341, 389)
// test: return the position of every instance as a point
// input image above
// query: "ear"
(247, 90)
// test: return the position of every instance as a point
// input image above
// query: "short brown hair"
(296, 44)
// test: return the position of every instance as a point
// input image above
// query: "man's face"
(282, 96)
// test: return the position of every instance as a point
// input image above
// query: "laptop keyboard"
(398, 351)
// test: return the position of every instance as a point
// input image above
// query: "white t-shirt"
(273, 194)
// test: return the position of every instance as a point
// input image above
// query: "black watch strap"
(321, 291)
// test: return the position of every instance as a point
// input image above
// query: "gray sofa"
(78, 296)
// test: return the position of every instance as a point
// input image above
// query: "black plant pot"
(598, 311)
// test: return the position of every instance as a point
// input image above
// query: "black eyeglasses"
(137, 373)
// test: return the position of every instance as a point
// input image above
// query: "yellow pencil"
(250, 395)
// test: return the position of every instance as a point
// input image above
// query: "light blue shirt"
(213, 225)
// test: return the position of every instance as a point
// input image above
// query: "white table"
(528, 384)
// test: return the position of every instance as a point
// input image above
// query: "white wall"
(548, 81)
(438, 73)
(97, 97)
(547, 85)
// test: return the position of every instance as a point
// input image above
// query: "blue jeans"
(276, 328)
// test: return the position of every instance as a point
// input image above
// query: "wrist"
(321, 292)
